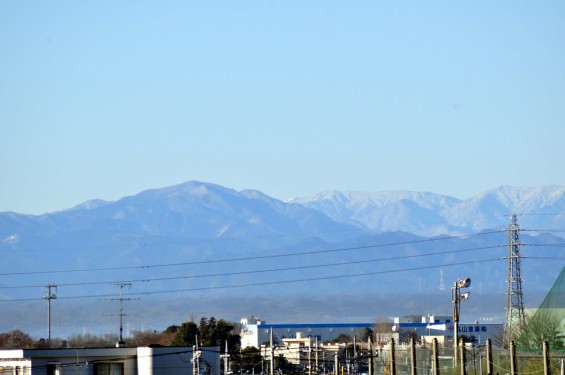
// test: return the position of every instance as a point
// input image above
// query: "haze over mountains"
(209, 250)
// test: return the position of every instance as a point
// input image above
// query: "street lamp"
(456, 298)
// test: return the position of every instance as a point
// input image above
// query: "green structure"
(547, 323)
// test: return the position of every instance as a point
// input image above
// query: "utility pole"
(121, 343)
(370, 346)
(354, 354)
(50, 295)
(515, 318)
(272, 369)
(316, 356)
(309, 356)
(336, 365)
(457, 297)
(226, 358)
(196, 354)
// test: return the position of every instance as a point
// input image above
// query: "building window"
(52, 369)
(109, 369)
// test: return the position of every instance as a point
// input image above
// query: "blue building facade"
(255, 332)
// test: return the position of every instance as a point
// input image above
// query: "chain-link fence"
(472, 360)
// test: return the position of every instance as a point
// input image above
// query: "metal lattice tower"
(515, 317)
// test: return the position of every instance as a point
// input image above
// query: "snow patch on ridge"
(10, 240)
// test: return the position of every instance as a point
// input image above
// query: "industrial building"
(305, 345)
(255, 332)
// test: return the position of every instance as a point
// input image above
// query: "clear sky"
(103, 99)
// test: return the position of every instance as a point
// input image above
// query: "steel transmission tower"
(515, 318)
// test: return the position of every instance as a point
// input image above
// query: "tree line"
(208, 332)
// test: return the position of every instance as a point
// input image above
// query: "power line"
(191, 241)
(144, 280)
(209, 261)
(543, 245)
(555, 230)
(288, 268)
(321, 278)
(271, 270)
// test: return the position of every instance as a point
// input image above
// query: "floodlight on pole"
(456, 298)
(464, 283)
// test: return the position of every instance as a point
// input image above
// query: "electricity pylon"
(515, 318)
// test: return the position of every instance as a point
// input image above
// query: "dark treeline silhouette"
(208, 332)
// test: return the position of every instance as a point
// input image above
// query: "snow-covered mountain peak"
(427, 214)
(198, 208)
(378, 199)
(522, 200)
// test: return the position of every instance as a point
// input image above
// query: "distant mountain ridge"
(216, 211)
(197, 210)
(214, 244)
(429, 214)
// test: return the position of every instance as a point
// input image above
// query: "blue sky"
(103, 99)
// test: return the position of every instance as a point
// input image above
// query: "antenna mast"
(515, 317)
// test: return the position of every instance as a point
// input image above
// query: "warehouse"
(255, 332)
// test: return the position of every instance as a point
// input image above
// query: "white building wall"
(19, 366)
(249, 336)
(144, 361)
(12, 361)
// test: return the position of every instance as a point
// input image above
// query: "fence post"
(489, 357)
(512, 359)
(546, 369)
(462, 357)
(435, 364)
(336, 365)
(370, 345)
(392, 358)
(413, 354)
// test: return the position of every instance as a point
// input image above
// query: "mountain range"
(200, 248)
(429, 214)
